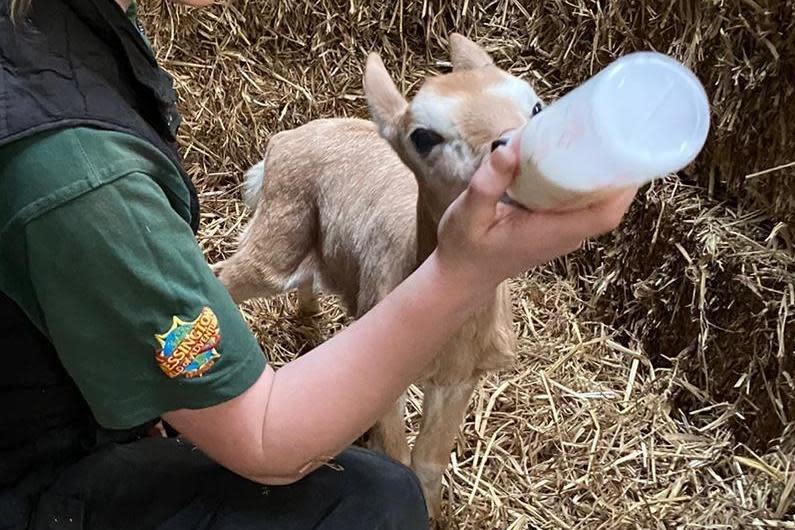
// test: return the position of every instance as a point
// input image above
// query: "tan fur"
(467, 55)
(487, 109)
(350, 206)
(466, 82)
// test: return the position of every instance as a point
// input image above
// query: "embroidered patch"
(188, 348)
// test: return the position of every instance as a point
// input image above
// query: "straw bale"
(285, 61)
(710, 290)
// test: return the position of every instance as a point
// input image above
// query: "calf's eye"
(537, 108)
(425, 139)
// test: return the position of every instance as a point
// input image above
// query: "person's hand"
(487, 241)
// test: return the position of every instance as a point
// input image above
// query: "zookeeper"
(102, 283)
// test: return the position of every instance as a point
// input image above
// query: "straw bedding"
(654, 385)
(709, 289)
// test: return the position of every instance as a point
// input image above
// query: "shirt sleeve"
(135, 313)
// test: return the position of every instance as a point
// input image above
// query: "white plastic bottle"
(643, 116)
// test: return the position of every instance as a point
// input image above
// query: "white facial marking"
(516, 90)
(434, 111)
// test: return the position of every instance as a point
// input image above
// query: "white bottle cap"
(642, 117)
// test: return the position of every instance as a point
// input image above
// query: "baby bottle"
(642, 117)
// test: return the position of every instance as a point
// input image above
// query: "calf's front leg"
(443, 411)
(388, 435)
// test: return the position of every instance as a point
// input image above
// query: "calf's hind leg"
(274, 254)
(307, 299)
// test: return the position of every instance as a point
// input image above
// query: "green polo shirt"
(96, 248)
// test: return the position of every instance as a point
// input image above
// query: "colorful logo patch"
(188, 348)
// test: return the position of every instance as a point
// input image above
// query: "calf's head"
(453, 121)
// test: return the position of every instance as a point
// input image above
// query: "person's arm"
(292, 420)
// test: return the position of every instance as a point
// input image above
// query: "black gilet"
(69, 63)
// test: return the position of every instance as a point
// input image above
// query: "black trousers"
(166, 484)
